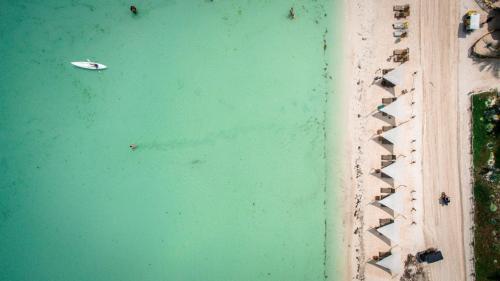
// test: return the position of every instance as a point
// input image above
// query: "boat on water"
(89, 65)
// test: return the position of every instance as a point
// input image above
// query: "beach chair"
(384, 164)
(401, 52)
(387, 128)
(387, 190)
(401, 14)
(402, 58)
(401, 8)
(388, 157)
(383, 222)
(384, 129)
(400, 25)
(380, 197)
(400, 33)
(387, 101)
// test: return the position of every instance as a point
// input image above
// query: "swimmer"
(133, 146)
(133, 9)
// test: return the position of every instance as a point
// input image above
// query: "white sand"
(439, 159)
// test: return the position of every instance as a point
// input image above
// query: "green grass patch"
(486, 127)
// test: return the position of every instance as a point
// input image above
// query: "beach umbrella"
(393, 262)
(391, 231)
(394, 202)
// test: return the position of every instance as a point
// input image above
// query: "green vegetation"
(486, 128)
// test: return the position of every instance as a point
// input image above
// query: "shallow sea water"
(227, 102)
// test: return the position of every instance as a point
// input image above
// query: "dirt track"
(443, 226)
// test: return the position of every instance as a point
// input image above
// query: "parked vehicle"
(472, 21)
(430, 255)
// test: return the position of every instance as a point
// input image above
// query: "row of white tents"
(400, 109)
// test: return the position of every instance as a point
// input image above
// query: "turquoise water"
(227, 102)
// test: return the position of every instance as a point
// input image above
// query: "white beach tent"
(396, 76)
(393, 262)
(391, 231)
(393, 135)
(400, 109)
(394, 202)
(396, 169)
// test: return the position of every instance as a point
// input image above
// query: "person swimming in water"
(133, 9)
(133, 146)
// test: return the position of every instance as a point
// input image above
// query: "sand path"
(443, 226)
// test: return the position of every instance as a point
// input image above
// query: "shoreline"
(337, 120)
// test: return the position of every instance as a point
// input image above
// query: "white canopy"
(393, 135)
(400, 109)
(394, 202)
(391, 231)
(396, 76)
(474, 22)
(392, 262)
(396, 169)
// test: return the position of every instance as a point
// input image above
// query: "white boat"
(89, 65)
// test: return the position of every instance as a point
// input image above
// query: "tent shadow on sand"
(385, 117)
(374, 263)
(387, 210)
(388, 180)
(391, 90)
(387, 146)
(379, 235)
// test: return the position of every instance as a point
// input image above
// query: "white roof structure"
(395, 170)
(396, 76)
(400, 109)
(474, 22)
(394, 202)
(391, 231)
(393, 262)
(393, 135)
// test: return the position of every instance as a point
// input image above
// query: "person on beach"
(445, 199)
(133, 9)
(133, 146)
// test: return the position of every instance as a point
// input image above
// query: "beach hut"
(395, 77)
(395, 170)
(394, 202)
(393, 262)
(391, 231)
(399, 109)
(393, 135)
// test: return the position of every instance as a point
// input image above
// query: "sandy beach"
(433, 144)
